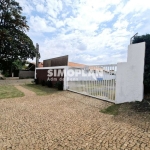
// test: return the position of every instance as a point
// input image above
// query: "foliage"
(60, 85)
(145, 38)
(14, 43)
(43, 83)
(6, 74)
(9, 67)
(56, 84)
(18, 65)
(37, 81)
(49, 83)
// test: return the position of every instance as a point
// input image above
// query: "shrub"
(56, 84)
(37, 81)
(60, 85)
(43, 83)
(49, 83)
(6, 74)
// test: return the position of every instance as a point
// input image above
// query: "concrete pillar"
(130, 75)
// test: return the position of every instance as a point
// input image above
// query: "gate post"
(130, 75)
(65, 78)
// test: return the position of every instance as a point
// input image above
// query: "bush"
(60, 85)
(37, 81)
(6, 74)
(49, 83)
(56, 84)
(43, 83)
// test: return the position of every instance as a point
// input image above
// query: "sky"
(93, 32)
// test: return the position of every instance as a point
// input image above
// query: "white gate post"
(130, 75)
(65, 78)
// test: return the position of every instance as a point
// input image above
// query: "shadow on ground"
(136, 114)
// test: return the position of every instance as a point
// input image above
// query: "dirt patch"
(143, 106)
(136, 114)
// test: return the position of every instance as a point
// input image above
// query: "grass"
(39, 89)
(112, 110)
(9, 91)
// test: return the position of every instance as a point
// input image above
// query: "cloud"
(27, 6)
(40, 8)
(89, 31)
(92, 49)
(54, 7)
(121, 24)
(133, 6)
(88, 16)
(39, 24)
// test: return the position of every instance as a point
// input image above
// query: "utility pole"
(37, 55)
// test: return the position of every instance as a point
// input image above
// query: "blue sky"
(89, 31)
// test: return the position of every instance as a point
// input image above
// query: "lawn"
(39, 89)
(9, 91)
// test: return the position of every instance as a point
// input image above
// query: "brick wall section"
(41, 74)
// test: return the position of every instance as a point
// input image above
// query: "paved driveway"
(65, 121)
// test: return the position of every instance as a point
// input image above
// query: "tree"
(18, 65)
(14, 43)
(145, 38)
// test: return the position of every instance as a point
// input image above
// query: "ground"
(65, 120)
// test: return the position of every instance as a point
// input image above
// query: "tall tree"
(145, 38)
(14, 43)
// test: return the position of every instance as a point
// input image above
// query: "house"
(73, 64)
(81, 72)
(97, 72)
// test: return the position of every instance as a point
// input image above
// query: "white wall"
(130, 75)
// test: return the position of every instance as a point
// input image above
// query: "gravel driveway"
(64, 121)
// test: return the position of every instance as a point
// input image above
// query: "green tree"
(14, 43)
(18, 65)
(145, 38)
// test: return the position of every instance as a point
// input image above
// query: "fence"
(96, 81)
(118, 83)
